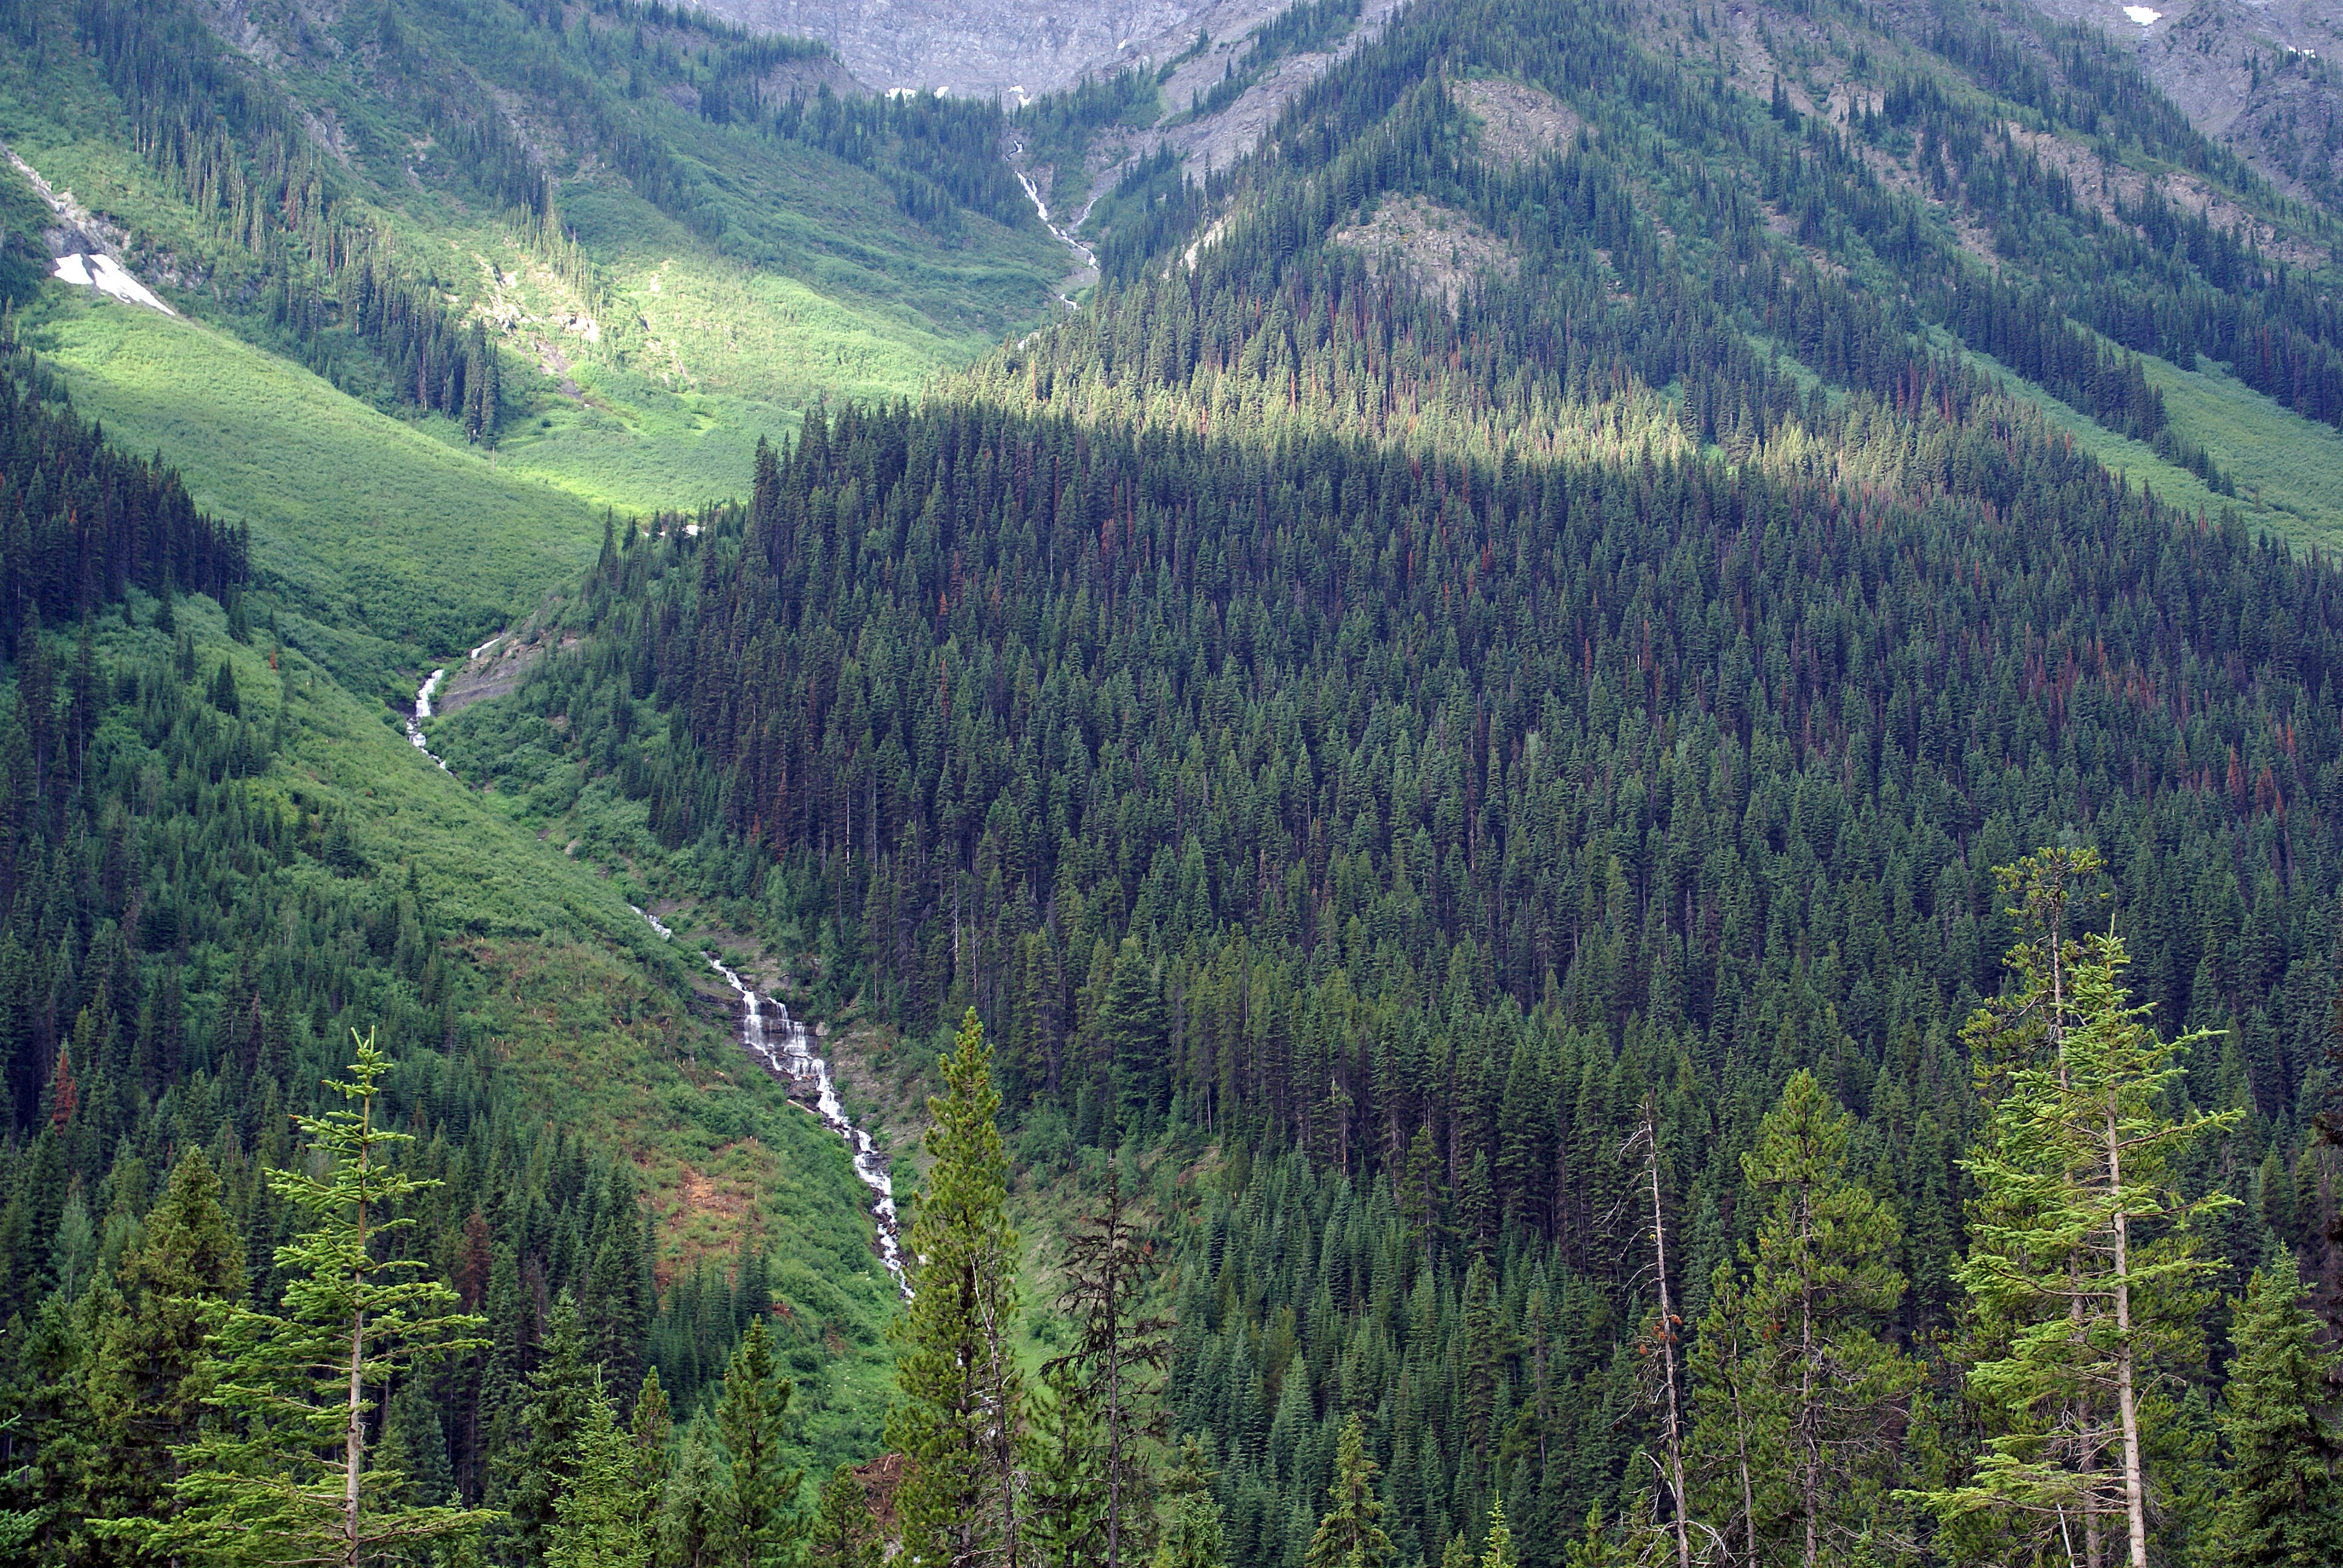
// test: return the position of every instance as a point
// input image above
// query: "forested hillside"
(1604, 823)
(1467, 760)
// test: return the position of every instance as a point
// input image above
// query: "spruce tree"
(959, 1421)
(597, 1518)
(2082, 1278)
(146, 1387)
(280, 1475)
(2282, 1502)
(652, 1428)
(1798, 1402)
(533, 1472)
(761, 1525)
(1351, 1534)
(1192, 1535)
(691, 1512)
(1108, 1380)
(1498, 1553)
(1065, 1508)
(844, 1535)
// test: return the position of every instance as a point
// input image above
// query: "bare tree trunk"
(353, 1431)
(1667, 1331)
(2135, 1485)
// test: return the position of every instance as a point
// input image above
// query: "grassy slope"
(818, 287)
(2289, 470)
(361, 514)
(588, 1010)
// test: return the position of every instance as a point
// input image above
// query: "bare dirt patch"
(496, 673)
(1437, 246)
(2101, 184)
(696, 1194)
(1518, 123)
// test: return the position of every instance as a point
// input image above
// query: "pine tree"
(533, 1472)
(1065, 1508)
(1738, 1448)
(145, 1388)
(1192, 1535)
(1109, 1372)
(761, 1522)
(2283, 1503)
(1351, 1535)
(598, 1519)
(652, 1428)
(1132, 1027)
(1798, 1402)
(1499, 1551)
(2082, 1278)
(960, 1423)
(844, 1534)
(691, 1511)
(281, 1476)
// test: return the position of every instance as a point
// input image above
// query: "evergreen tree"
(1109, 1372)
(2082, 1278)
(760, 1523)
(959, 1421)
(844, 1535)
(1192, 1533)
(1801, 1397)
(2282, 1503)
(1065, 1511)
(691, 1512)
(598, 1517)
(653, 1431)
(1351, 1534)
(145, 1388)
(533, 1472)
(1499, 1552)
(1131, 1029)
(281, 1475)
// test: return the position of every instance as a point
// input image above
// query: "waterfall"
(786, 1048)
(430, 689)
(423, 694)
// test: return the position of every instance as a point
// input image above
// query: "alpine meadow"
(1359, 784)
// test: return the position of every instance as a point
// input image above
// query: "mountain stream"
(790, 1056)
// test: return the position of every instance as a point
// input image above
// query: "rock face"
(982, 47)
(2251, 74)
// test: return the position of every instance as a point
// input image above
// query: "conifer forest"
(1444, 784)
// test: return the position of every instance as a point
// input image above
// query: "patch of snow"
(2143, 15)
(109, 277)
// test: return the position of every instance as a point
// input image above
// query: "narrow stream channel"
(1065, 237)
(792, 1057)
(430, 689)
(786, 1048)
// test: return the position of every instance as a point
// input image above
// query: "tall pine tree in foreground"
(2283, 1503)
(2083, 1279)
(959, 1421)
(761, 1525)
(281, 1474)
(1798, 1396)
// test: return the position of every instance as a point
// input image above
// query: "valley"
(1233, 784)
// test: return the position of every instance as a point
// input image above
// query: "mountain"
(1558, 782)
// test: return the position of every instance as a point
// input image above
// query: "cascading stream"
(791, 1056)
(1065, 237)
(786, 1051)
(430, 689)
